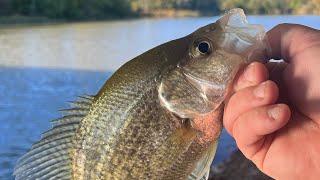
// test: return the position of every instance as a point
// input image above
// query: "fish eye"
(203, 47)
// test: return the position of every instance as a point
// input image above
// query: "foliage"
(274, 6)
(217, 6)
(71, 9)
(101, 9)
(309, 7)
(258, 7)
(149, 5)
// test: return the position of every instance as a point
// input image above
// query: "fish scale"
(139, 135)
(120, 102)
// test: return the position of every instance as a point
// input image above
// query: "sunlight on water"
(104, 45)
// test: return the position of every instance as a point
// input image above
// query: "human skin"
(274, 114)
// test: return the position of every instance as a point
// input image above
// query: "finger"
(286, 40)
(250, 129)
(248, 98)
(252, 75)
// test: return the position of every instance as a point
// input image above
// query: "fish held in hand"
(158, 117)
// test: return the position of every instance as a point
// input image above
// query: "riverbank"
(160, 13)
(17, 19)
(155, 13)
(170, 13)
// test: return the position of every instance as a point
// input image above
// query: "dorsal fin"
(49, 158)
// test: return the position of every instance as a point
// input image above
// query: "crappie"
(158, 116)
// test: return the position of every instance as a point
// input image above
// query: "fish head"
(203, 78)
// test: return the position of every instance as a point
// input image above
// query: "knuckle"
(271, 92)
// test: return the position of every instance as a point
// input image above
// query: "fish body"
(157, 117)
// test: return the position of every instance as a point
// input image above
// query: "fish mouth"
(243, 38)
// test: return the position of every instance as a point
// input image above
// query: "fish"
(159, 116)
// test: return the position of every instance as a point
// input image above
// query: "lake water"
(43, 67)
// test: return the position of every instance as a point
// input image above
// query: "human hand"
(276, 122)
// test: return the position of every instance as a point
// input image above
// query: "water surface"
(42, 67)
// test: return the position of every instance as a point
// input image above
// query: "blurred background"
(54, 50)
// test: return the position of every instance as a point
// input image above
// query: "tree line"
(67, 9)
(250, 6)
(101, 9)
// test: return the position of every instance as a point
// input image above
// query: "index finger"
(286, 40)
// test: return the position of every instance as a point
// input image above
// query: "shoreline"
(159, 13)
(38, 20)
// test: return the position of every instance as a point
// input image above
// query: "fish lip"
(250, 38)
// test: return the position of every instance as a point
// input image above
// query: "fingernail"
(259, 91)
(274, 112)
(249, 73)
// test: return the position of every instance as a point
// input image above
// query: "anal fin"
(202, 169)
